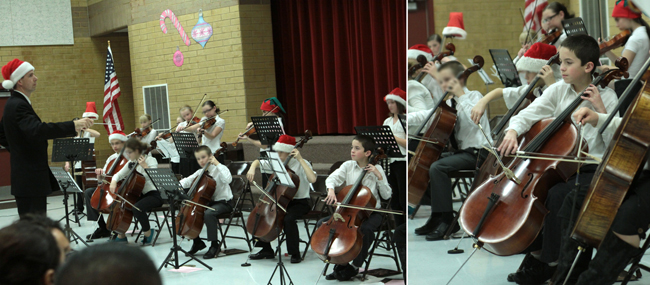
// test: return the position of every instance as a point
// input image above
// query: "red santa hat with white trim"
(14, 71)
(117, 135)
(285, 143)
(455, 27)
(536, 57)
(397, 95)
(91, 111)
(419, 49)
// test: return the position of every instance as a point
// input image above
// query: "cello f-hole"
(530, 175)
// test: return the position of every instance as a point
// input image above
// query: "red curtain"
(335, 60)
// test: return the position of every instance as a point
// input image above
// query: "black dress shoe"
(439, 232)
(335, 273)
(295, 258)
(196, 246)
(429, 226)
(347, 273)
(530, 263)
(535, 276)
(263, 254)
(99, 233)
(212, 252)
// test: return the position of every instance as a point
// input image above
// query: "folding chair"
(318, 210)
(636, 266)
(240, 189)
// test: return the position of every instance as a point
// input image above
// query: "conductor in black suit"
(25, 136)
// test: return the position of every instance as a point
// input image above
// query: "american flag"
(533, 21)
(112, 115)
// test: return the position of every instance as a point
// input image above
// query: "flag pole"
(109, 43)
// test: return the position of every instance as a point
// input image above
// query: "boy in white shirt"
(578, 55)
(220, 199)
(470, 142)
(299, 206)
(375, 180)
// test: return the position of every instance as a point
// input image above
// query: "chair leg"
(375, 243)
(304, 253)
(223, 237)
(248, 238)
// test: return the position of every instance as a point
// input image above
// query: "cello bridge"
(338, 218)
(510, 175)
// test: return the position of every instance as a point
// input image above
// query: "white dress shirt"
(610, 130)
(214, 143)
(553, 102)
(148, 185)
(348, 173)
(303, 189)
(398, 131)
(640, 45)
(151, 136)
(468, 134)
(512, 94)
(221, 175)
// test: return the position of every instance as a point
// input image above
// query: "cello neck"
(196, 180)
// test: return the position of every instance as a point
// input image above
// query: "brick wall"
(70, 76)
(241, 40)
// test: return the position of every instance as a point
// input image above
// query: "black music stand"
(505, 67)
(165, 181)
(268, 129)
(383, 137)
(185, 144)
(574, 26)
(70, 150)
(281, 177)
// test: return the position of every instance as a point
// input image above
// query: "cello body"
(347, 240)
(102, 197)
(518, 216)
(192, 222)
(427, 153)
(262, 219)
(121, 215)
(624, 157)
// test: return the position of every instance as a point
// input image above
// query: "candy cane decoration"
(172, 17)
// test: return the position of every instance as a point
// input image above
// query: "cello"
(130, 189)
(339, 240)
(422, 61)
(265, 222)
(491, 165)
(509, 220)
(625, 155)
(103, 198)
(189, 221)
(433, 141)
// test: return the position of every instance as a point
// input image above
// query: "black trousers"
(367, 228)
(295, 210)
(31, 205)
(79, 197)
(551, 235)
(397, 182)
(145, 203)
(633, 217)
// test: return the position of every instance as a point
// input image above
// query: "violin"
(552, 36)
(507, 211)
(189, 221)
(168, 134)
(615, 42)
(434, 140)
(339, 240)
(102, 197)
(141, 133)
(130, 189)
(625, 156)
(265, 221)
(247, 132)
(491, 166)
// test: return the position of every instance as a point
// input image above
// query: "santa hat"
(272, 105)
(625, 9)
(285, 144)
(397, 95)
(536, 57)
(91, 111)
(419, 49)
(14, 71)
(455, 27)
(117, 135)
